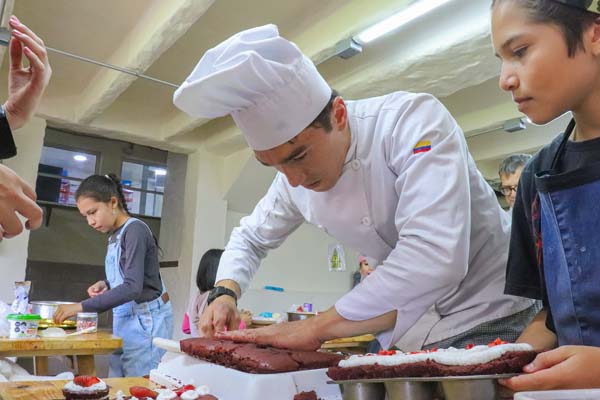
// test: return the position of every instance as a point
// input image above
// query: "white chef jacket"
(429, 218)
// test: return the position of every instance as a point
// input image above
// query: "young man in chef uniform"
(390, 177)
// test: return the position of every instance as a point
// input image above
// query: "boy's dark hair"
(207, 270)
(323, 120)
(102, 188)
(571, 20)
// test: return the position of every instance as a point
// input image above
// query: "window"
(143, 187)
(60, 172)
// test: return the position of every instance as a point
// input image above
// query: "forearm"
(537, 334)
(330, 325)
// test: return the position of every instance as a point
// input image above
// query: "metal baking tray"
(49, 323)
(474, 387)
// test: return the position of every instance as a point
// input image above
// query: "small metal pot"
(363, 391)
(407, 390)
(46, 309)
(299, 316)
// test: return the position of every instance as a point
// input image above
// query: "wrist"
(222, 291)
(230, 284)
(7, 114)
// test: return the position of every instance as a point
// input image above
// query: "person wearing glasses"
(510, 171)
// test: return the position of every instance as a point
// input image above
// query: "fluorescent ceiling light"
(79, 157)
(160, 171)
(393, 22)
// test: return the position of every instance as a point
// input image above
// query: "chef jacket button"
(366, 221)
(355, 164)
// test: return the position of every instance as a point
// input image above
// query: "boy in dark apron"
(550, 53)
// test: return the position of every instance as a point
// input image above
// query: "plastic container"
(87, 321)
(127, 192)
(65, 188)
(23, 326)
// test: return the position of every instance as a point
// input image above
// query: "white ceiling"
(447, 52)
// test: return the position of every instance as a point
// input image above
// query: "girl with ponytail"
(133, 288)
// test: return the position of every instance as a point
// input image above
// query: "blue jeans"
(137, 325)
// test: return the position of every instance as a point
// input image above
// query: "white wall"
(13, 252)
(300, 267)
(203, 228)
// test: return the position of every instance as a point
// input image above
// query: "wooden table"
(51, 390)
(83, 347)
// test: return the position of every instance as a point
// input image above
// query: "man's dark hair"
(323, 120)
(510, 164)
(207, 270)
(571, 20)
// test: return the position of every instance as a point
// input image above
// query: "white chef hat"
(269, 87)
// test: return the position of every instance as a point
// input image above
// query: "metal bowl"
(46, 309)
(299, 316)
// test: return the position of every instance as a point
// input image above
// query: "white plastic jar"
(23, 326)
(87, 321)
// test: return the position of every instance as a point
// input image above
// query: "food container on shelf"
(23, 326)
(299, 316)
(87, 321)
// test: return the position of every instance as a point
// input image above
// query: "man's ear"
(339, 113)
(595, 37)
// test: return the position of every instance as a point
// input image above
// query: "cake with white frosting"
(497, 357)
(85, 387)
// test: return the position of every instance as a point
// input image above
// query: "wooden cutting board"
(52, 390)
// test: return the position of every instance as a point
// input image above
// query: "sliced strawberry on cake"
(85, 387)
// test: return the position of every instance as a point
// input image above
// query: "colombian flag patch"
(422, 147)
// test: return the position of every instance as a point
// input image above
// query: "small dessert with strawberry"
(86, 387)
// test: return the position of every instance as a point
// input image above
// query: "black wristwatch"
(218, 292)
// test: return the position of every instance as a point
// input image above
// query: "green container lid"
(22, 317)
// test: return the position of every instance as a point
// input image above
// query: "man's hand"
(312, 332)
(16, 196)
(222, 314)
(25, 85)
(299, 335)
(567, 367)
(97, 288)
(65, 311)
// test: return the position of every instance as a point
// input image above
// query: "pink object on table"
(185, 324)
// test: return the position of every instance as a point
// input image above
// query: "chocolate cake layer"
(97, 395)
(511, 362)
(249, 357)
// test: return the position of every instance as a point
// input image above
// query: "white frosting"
(189, 395)
(166, 394)
(203, 390)
(73, 387)
(450, 356)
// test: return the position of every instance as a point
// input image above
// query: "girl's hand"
(97, 288)
(65, 311)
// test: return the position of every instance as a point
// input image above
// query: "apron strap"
(563, 144)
